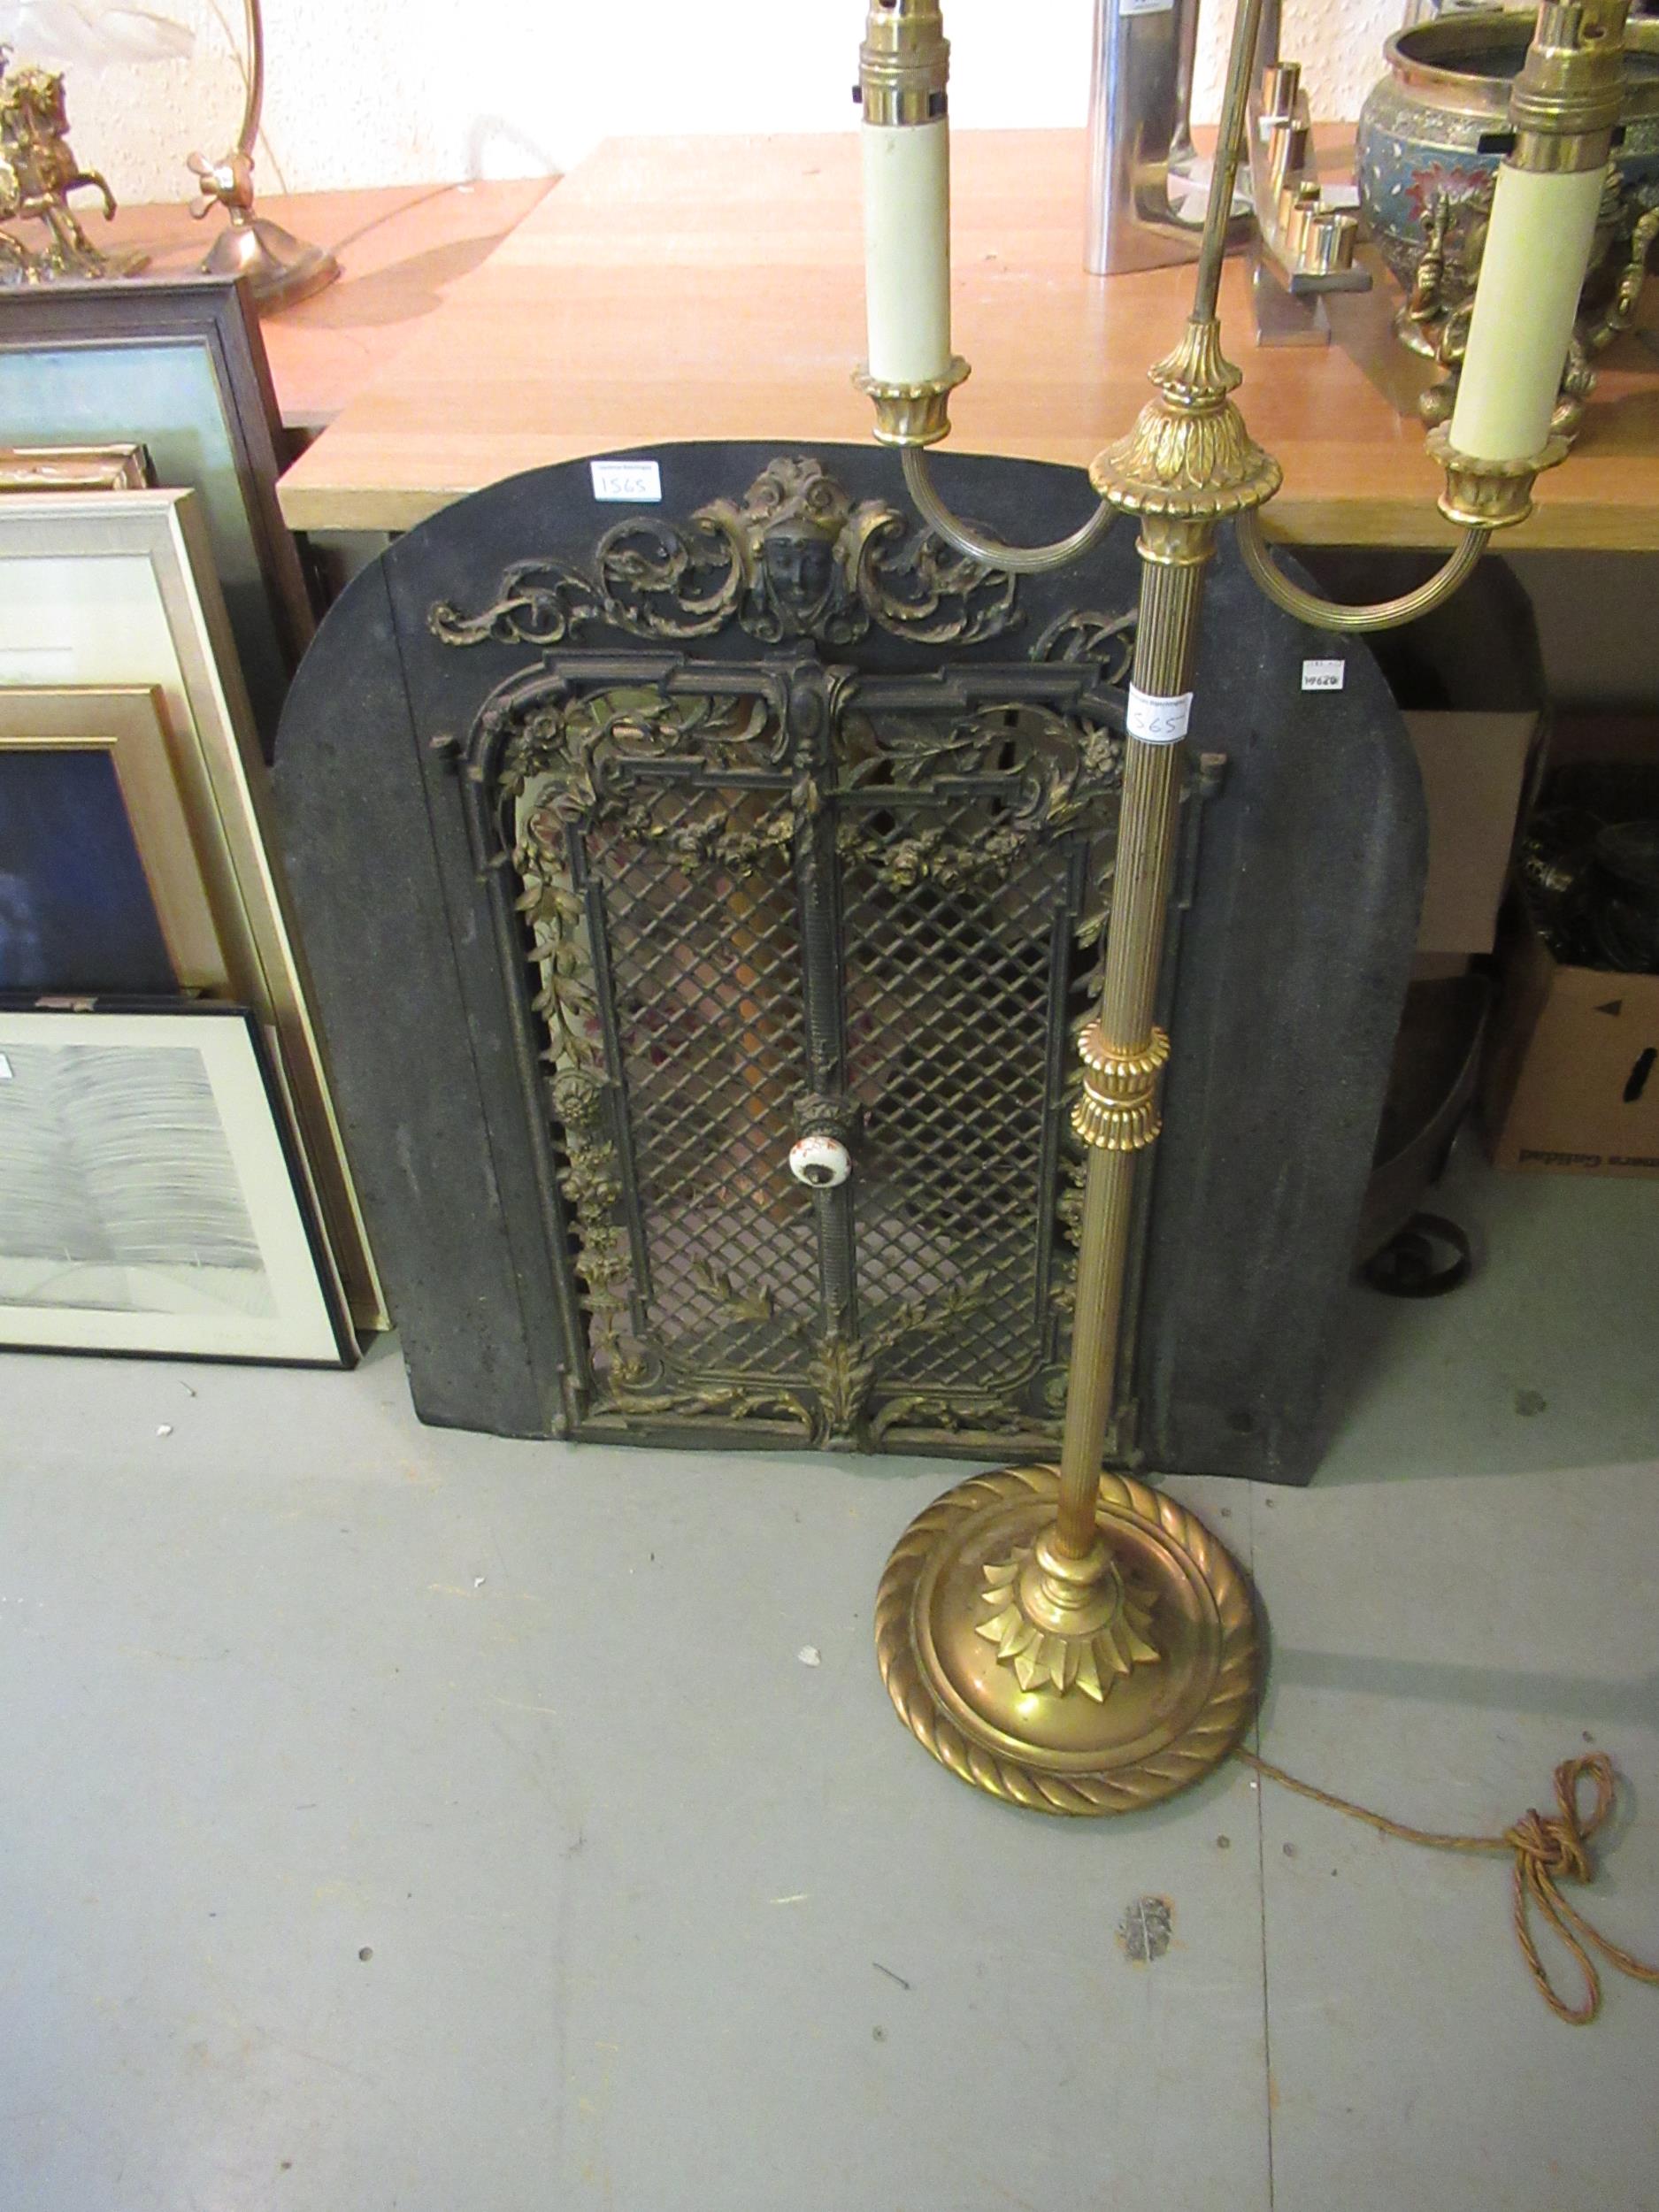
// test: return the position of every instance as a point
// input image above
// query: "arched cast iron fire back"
(764, 813)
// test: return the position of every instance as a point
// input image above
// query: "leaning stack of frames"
(172, 1177)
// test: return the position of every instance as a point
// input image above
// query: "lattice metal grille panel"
(950, 994)
(776, 897)
(705, 971)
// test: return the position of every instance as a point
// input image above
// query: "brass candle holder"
(1067, 1639)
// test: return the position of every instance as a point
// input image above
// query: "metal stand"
(1071, 1642)
(1075, 1645)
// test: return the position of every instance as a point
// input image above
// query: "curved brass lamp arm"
(1329, 614)
(253, 108)
(1022, 560)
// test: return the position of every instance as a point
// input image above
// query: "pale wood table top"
(402, 248)
(677, 288)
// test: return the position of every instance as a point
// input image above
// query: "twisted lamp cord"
(1548, 1850)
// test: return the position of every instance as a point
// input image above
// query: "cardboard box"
(1571, 1077)
(1476, 773)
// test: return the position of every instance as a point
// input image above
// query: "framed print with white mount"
(149, 1201)
(111, 591)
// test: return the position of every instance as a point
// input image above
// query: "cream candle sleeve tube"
(907, 249)
(1532, 273)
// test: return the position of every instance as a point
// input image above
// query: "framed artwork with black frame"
(150, 1196)
(178, 366)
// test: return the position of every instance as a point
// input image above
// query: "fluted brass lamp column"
(1071, 1641)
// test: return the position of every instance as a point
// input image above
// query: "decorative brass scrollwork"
(794, 559)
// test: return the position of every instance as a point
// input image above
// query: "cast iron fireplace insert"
(632, 844)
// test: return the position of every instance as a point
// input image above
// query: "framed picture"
(73, 468)
(148, 1198)
(178, 366)
(108, 591)
(100, 886)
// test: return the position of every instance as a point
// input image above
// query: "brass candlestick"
(1071, 1641)
(280, 268)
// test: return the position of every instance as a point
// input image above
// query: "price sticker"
(1158, 721)
(1323, 675)
(630, 483)
(1145, 7)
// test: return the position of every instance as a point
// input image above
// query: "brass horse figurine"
(38, 171)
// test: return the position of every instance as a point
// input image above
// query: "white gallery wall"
(363, 92)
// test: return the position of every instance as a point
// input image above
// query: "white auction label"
(1323, 675)
(1158, 721)
(633, 483)
(1145, 7)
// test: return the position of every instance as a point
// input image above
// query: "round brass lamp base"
(1129, 1699)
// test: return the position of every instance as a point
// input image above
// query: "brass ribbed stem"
(1171, 591)
(1091, 1389)
(1164, 643)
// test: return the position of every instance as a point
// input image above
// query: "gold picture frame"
(118, 589)
(128, 725)
(73, 468)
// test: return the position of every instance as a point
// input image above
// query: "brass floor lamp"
(1071, 1641)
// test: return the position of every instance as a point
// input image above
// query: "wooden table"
(711, 288)
(402, 249)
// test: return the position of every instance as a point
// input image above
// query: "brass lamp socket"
(1488, 494)
(904, 63)
(913, 414)
(1567, 101)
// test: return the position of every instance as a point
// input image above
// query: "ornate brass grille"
(705, 970)
(748, 900)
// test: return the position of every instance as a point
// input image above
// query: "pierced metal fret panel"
(705, 967)
(950, 994)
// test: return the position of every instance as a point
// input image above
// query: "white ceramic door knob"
(820, 1161)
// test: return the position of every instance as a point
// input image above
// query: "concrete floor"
(403, 1819)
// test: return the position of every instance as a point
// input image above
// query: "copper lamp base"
(1145, 1688)
(280, 268)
